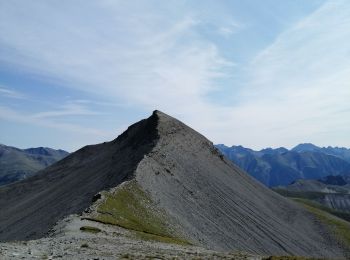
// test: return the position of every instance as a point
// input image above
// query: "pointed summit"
(178, 180)
(305, 147)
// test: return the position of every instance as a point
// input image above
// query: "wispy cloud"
(127, 56)
(10, 114)
(69, 109)
(230, 29)
(149, 59)
(300, 82)
(157, 59)
(9, 93)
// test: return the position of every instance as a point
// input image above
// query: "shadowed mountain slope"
(17, 164)
(31, 207)
(210, 201)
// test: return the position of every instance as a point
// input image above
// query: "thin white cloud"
(9, 93)
(230, 29)
(300, 83)
(129, 56)
(158, 60)
(12, 115)
(69, 109)
(148, 59)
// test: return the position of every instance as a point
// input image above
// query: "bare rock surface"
(220, 206)
(211, 201)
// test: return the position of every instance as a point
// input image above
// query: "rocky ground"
(75, 238)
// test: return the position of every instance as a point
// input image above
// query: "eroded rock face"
(337, 201)
(206, 198)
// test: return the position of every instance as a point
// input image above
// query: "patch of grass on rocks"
(130, 207)
(90, 229)
(339, 227)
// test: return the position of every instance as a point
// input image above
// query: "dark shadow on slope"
(31, 207)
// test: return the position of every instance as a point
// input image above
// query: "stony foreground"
(99, 241)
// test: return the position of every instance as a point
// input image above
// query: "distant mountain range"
(340, 152)
(18, 164)
(281, 166)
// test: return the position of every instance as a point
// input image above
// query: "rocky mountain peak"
(173, 175)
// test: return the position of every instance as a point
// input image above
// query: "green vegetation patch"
(338, 213)
(130, 207)
(308, 197)
(311, 195)
(164, 239)
(90, 229)
(339, 227)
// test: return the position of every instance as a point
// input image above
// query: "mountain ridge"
(17, 164)
(280, 166)
(55, 181)
(210, 201)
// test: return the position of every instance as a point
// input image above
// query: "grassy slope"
(339, 227)
(311, 195)
(130, 207)
(308, 197)
(337, 221)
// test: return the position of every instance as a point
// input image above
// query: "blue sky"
(256, 73)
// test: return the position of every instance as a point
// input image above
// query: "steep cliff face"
(181, 183)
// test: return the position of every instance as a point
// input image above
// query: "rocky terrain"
(166, 184)
(332, 192)
(274, 167)
(18, 164)
(75, 238)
